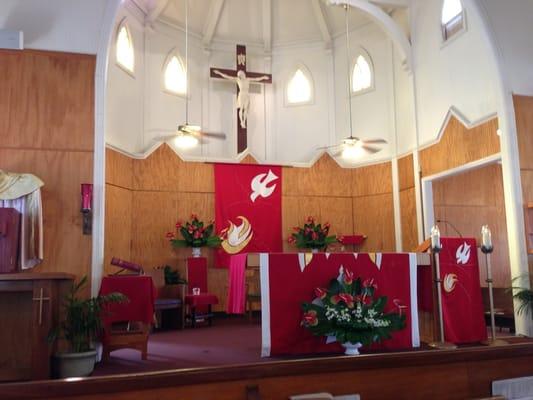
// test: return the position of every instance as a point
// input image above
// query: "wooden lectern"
(30, 306)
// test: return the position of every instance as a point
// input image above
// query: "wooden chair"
(127, 325)
(199, 305)
(169, 304)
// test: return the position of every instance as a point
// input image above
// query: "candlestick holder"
(442, 344)
(487, 250)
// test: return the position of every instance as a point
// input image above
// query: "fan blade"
(337, 154)
(214, 135)
(328, 147)
(164, 138)
(375, 141)
(370, 149)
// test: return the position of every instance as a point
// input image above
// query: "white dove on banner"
(259, 185)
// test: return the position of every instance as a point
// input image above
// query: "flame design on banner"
(449, 282)
(237, 237)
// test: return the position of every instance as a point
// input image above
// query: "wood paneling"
(46, 100)
(372, 180)
(459, 146)
(470, 200)
(524, 125)
(47, 129)
(119, 169)
(324, 178)
(408, 219)
(118, 225)
(406, 175)
(373, 216)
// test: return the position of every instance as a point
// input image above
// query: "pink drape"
(237, 284)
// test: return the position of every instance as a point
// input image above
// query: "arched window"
(362, 74)
(124, 48)
(174, 76)
(299, 89)
(452, 18)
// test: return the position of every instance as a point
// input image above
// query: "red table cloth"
(202, 299)
(288, 280)
(141, 294)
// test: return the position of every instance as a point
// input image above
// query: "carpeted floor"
(228, 341)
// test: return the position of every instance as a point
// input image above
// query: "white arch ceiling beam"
(322, 23)
(267, 25)
(211, 22)
(155, 10)
(386, 23)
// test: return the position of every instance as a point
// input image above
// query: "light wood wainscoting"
(47, 129)
(406, 179)
(145, 198)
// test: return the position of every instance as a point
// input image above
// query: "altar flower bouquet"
(312, 236)
(348, 311)
(195, 234)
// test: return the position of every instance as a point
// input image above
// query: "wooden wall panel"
(324, 178)
(46, 100)
(408, 219)
(406, 175)
(524, 126)
(372, 180)
(470, 200)
(374, 216)
(118, 228)
(119, 169)
(459, 146)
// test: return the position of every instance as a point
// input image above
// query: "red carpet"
(228, 341)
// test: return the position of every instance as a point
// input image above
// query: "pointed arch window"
(174, 75)
(362, 74)
(125, 53)
(299, 90)
(452, 18)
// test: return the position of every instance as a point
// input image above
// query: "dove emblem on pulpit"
(260, 186)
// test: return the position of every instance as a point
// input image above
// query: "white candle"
(486, 237)
(435, 237)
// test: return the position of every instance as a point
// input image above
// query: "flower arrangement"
(312, 236)
(348, 311)
(195, 234)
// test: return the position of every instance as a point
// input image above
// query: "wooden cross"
(41, 299)
(240, 54)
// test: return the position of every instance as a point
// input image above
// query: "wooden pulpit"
(30, 305)
(9, 239)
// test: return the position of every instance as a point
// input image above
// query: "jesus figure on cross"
(243, 98)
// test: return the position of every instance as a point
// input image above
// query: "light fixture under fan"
(187, 136)
(353, 147)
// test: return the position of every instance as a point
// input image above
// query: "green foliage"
(83, 322)
(523, 295)
(172, 276)
(312, 235)
(348, 311)
(195, 234)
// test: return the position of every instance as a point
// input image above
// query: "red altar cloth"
(141, 294)
(202, 299)
(288, 280)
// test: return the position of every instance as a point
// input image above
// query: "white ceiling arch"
(385, 21)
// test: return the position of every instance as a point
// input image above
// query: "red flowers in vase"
(313, 235)
(195, 234)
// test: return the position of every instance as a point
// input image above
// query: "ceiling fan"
(352, 147)
(187, 135)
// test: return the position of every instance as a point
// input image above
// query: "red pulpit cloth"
(462, 304)
(237, 284)
(288, 280)
(141, 293)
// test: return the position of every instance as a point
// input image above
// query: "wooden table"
(30, 308)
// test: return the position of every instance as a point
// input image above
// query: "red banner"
(462, 305)
(247, 209)
(288, 280)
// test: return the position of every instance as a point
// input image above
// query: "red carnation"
(345, 297)
(197, 235)
(321, 293)
(178, 225)
(170, 235)
(314, 235)
(310, 318)
(348, 277)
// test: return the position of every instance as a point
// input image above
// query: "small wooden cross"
(41, 299)
(240, 54)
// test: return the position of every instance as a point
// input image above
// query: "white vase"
(196, 252)
(314, 250)
(352, 349)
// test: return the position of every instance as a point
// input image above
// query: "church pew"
(465, 373)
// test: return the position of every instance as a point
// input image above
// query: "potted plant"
(195, 234)
(82, 325)
(523, 295)
(348, 311)
(312, 236)
(174, 283)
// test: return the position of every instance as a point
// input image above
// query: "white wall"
(512, 24)
(459, 73)
(60, 25)
(124, 122)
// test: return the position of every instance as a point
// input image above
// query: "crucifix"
(243, 79)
